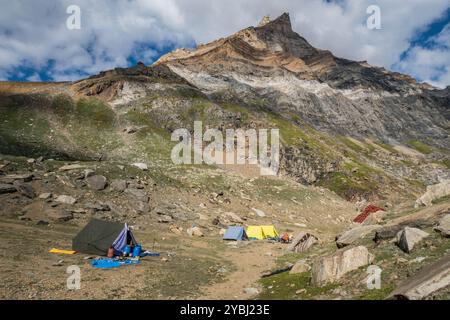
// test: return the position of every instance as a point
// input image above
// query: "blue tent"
(235, 233)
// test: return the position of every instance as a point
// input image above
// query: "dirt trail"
(250, 261)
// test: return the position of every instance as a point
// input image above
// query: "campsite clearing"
(188, 267)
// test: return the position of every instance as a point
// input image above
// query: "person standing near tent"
(110, 252)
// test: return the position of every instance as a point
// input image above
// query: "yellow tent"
(255, 232)
(261, 232)
(269, 232)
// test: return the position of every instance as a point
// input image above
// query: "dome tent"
(99, 235)
(235, 233)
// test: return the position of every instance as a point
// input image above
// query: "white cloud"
(34, 32)
(431, 63)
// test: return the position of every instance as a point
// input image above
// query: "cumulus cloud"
(33, 33)
(431, 61)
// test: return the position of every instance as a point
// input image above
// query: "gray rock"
(141, 207)
(194, 231)
(409, 237)
(10, 178)
(58, 264)
(222, 270)
(251, 291)
(232, 217)
(444, 226)
(355, 234)
(66, 199)
(300, 267)
(164, 219)
(98, 206)
(130, 130)
(96, 182)
(259, 213)
(390, 232)
(59, 216)
(138, 194)
(45, 195)
(88, 173)
(7, 188)
(332, 268)
(140, 165)
(25, 189)
(119, 185)
(70, 167)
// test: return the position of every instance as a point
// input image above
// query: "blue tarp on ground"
(107, 263)
(235, 233)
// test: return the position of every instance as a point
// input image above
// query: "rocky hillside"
(358, 130)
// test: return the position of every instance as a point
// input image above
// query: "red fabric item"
(366, 212)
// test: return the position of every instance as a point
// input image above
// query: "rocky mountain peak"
(282, 23)
(265, 20)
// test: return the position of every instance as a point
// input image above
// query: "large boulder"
(302, 242)
(434, 192)
(390, 232)
(39, 211)
(428, 280)
(444, 226)
(96, 182)
(355, 234)
(333, 267)
(409, 237)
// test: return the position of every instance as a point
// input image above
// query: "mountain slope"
(353, 98)
(356, 129)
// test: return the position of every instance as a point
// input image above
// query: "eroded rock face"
(332, 268)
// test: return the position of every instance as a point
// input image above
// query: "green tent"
(99, 235)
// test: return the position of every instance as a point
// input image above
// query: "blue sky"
(35, 44)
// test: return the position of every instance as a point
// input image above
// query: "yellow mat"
(62, 251)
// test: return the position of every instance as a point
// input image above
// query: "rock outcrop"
(354, 234)
(332, 268)
(434, 192)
